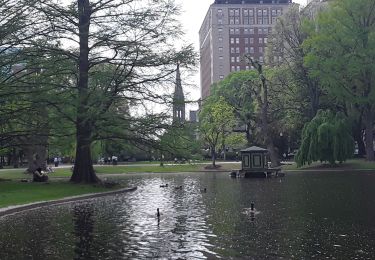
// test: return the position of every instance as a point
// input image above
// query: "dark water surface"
(301, 216)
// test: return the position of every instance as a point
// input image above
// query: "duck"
(158, 213)
(164, 185)
(204, 190)
(178, 187)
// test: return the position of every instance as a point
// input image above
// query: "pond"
(301, 216)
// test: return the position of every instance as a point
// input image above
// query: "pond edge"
(30, 206)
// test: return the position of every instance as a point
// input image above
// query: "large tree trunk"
(213, 156)
(275, 161)
(15, 158)
(83, 167)
(369, 133)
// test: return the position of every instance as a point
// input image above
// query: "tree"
(341, 55)
(216, 123)
(261, 88)
(122, 54)
(285, 51)
(235, 90)
(326, 138)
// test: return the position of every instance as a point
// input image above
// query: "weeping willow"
(326, 138)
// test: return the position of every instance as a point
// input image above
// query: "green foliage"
(236, 141)
(238, 90)
(179, 142)
(216, 122)
(326, 138)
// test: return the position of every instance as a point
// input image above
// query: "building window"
(232, 59)
(246, 31)
(220, 30)
(251, 30)
(251, 12)
(237, 50)
(237, 31)
(273, 20)
(259, 12)
(220, 57)
(238, 58)
(251, 40)
(231, 21)
(220, 21)
(247, 67)
(260, 40)
(265, 20)
(220, 49)
(265, 12)
(220, 39)
(231, 31)
(220, 11)
(246, 49)
(221, 76)
(238, 68)
(251, 49)
(233, 68)
(260, 20)
(232, 40)
(238, 40)
(265, 40)
(261, 58)
(261, 49)
(246, 40)
(232, 50)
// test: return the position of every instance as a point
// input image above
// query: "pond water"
(300, 216)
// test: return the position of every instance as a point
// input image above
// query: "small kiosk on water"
(254, 163)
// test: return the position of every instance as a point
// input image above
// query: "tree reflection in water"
(83, 230)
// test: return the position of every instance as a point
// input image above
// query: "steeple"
(178, 100)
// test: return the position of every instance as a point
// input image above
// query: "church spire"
(178, 99)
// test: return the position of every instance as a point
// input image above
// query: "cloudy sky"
(192, 17)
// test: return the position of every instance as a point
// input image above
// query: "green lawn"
(16, 192)
(360, 164)
(119, 169)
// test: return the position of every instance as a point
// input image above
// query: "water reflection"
(305, 216)
(83, 230)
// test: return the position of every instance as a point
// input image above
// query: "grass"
(120, 169)
(359, 164)
(16, 193)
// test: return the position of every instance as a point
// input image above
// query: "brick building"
(231, 29)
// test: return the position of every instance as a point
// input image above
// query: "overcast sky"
(192, 17)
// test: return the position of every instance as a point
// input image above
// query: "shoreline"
(6, 211)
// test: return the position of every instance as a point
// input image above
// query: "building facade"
(231, 29)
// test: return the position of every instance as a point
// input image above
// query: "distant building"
(231, 29)
(178, 100)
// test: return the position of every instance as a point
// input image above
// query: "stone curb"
(20, 208)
